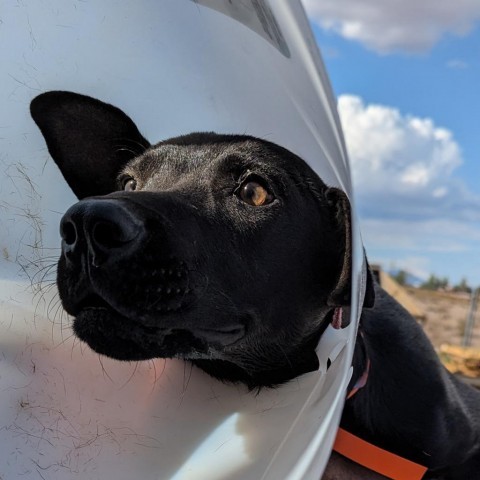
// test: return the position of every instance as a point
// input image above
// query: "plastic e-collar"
(178, 67)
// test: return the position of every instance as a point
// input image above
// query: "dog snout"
(100, 230)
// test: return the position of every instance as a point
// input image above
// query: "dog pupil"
(130, 185)
(254, 194)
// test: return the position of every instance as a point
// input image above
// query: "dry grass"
(446, 315)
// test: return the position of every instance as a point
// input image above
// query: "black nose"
(100, 229)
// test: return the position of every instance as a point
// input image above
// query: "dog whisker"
(156, 376)
(130, 377)
(65, 340)
(186, 380)
(104, 371)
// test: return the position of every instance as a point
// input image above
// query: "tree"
(463, 286)
(400, 277)
(435, 283)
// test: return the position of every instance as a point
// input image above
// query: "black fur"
(411, 405)
(184, 267)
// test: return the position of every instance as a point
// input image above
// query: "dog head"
(221, 249)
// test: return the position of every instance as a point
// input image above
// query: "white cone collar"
(174, 66)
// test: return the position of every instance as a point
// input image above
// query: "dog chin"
(110, 334)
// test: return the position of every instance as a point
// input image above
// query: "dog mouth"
(110, 333)
(91, 302)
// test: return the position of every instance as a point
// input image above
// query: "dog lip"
(111, 334)
(226, 335)
(90, 302)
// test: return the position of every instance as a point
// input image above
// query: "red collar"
(366, 454)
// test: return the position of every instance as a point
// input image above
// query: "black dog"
(229, 251)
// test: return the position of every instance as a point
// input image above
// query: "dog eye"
(254, 193)
(129, 184)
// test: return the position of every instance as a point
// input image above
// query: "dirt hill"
(446, 315)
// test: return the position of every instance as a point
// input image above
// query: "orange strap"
(376, 459)
(361, 382)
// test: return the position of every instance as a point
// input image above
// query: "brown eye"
(253, 193)
(129, 184)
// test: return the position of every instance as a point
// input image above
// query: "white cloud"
(414, 210)
(443, 247)
(440, 192)
(390, 25)
(457, 64)
(427, 236)
(415, 265)
(403, 165)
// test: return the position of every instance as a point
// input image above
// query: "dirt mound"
(446, 315)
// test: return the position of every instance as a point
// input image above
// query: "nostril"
(97, 230)
(108, 235)
(68, 233)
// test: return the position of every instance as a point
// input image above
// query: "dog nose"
(103, 228)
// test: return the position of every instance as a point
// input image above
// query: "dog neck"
(364, 453)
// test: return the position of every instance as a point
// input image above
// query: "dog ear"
(338, 202)
(369, 299)
(89, 140)
(341, 293)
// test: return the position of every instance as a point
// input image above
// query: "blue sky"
(407, 78)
